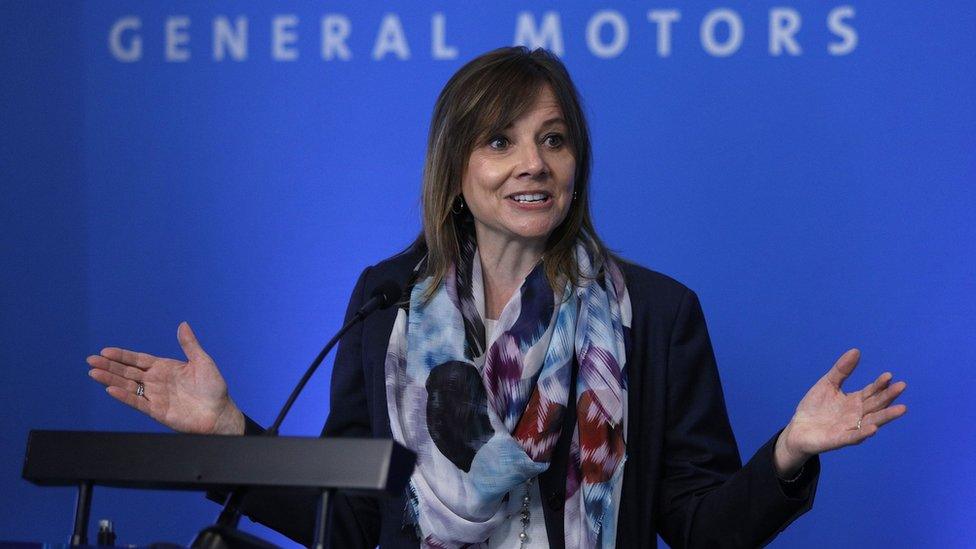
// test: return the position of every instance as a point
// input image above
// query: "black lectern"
(213, 462)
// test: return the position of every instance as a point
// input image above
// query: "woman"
(555, 395)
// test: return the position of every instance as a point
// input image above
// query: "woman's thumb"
(188, 341)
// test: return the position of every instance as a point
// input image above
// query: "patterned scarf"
(483, 411)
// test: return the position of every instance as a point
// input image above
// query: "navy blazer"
(683, 478)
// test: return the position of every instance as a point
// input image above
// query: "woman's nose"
(531, 162)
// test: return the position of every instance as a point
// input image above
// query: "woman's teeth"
(529, 197)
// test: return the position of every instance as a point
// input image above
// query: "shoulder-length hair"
(482, 98)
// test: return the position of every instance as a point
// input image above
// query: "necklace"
(525, 515)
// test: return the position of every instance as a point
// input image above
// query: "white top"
(506, 536)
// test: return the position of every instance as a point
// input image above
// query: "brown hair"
(483, 97)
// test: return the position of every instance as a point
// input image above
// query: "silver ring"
(141, 391)
(859, 423)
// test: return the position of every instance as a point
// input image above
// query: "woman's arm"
(706, 497)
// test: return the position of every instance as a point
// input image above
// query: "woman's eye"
(498, 142)
(554, 140)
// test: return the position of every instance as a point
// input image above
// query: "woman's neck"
(504, 265)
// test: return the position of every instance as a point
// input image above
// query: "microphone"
(386, 294)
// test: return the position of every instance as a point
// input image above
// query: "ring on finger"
(141, 391)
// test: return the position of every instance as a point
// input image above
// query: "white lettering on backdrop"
(606, 33)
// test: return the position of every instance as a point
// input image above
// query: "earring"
(458, 205)
(574, 195)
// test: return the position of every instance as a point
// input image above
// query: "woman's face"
(519, 183)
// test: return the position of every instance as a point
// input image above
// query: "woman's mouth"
(530, 198)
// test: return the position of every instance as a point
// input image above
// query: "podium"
(158, 461)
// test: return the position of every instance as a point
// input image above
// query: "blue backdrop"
(807, 167)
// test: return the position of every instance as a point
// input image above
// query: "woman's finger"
(109, 379)
(843, 367)
(117, 368)
(142, 361)
(882, 417)
(129, 398)
(882, 400)
(188, 341)
(877, 385)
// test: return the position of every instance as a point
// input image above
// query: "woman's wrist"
(230, 421)
(786, 460)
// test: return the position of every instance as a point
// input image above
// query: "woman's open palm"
(188, 396)
(828, 418)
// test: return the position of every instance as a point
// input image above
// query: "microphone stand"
(224, 534)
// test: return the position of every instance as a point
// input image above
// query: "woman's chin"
(534, 235)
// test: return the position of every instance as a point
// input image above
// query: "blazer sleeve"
(707, 499)
(356, 520)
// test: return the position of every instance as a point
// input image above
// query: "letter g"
(134, 50)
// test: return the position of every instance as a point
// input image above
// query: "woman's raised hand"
(827, 418)
(189, 397)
